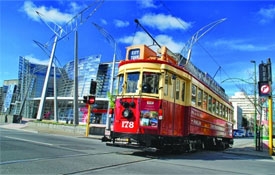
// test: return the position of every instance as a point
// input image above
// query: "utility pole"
(255, 106)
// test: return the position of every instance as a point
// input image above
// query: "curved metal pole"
(237, 79)
(43, 95)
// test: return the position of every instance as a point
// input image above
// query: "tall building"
(31, 78)
(246, 103)
(8, 96)
(238, 116)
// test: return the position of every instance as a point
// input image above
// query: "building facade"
(238, 116)
(246, 103)
(8, 96)
(31, 76)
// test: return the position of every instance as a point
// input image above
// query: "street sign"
(264, 89)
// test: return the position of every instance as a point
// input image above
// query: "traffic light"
(91, 99)
(265, 79)
(93, 87)
(265, 72)
(85, 99)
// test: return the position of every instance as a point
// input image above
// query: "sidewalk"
(248, 149)
(238, 148)
(26, 125)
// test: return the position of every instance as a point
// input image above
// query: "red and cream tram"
(162, 105)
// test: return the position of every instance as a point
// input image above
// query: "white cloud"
(267, 14)
(168, 41)
(164, 22)
(75, 7)
(36, 60)
(240, 45)
(49, 14)
(120, 23)
(143, 38)
(146, 3)
(103, 21)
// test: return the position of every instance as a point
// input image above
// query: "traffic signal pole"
(270, 124)
(265, 89)
(88, 120)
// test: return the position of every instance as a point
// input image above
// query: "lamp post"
(255, 113)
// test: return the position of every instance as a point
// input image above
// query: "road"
(37, 153)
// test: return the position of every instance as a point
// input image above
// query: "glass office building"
(31, 78)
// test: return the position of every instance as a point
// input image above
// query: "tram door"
(172, 111)
(178, 108)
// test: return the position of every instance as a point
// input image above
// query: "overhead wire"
(206, 51)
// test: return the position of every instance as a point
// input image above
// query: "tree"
(244, 123)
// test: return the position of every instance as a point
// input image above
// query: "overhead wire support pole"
(113, 43)
(60, 33)
(200, 33)
(76, 116)
(43, 95)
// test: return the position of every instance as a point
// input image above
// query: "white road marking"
(25, 140)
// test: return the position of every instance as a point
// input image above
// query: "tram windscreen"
(132, 82)
(120, 83)
(150, 82)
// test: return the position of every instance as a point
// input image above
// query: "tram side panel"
(174, 120)
(202, 123)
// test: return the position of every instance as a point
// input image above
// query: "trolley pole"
(88, 120)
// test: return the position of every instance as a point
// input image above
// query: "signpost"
(265, 89)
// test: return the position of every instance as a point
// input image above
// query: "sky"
(245, 32)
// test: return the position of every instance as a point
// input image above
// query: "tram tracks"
(91, 170)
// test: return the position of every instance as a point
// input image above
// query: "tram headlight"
(127, 113)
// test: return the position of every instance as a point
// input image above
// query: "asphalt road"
(37, 153)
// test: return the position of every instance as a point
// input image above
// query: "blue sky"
(248, 33)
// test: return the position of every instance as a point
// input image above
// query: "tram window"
(194, 94)
(204, 105)
(120, 84)
(166, 85)
(231, 115)
(177, 89)
(209, 103)
(150, 82)
(183, 91)
(199, 97)
(131, 82)
(217, 108)
(226, 112)
(214, 105)
(220, 109)
(172, 89)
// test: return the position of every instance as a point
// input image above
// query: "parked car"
(250, 134)
(239, 133)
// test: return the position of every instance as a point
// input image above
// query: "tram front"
(138, 105)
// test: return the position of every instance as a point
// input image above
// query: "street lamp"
(255, 113)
